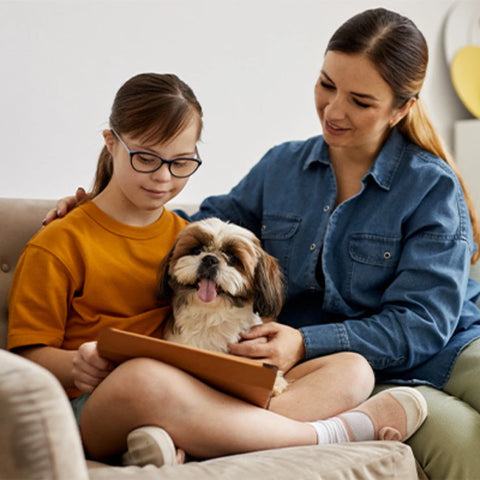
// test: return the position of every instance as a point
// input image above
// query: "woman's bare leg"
(324, 387)
(202, 421)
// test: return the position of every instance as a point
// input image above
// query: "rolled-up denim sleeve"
(322, 340)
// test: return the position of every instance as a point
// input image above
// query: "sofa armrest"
(38, 434)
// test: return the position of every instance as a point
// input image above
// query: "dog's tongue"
(207, 290)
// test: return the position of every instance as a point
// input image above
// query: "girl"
(98, 267)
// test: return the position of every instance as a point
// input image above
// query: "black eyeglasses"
(145, 162)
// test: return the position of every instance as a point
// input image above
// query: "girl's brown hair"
(399, 51)
(154, 107)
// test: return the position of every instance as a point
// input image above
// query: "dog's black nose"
(208, 267)
(209, 261)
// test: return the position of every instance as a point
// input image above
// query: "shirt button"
(326, 208)
(5, 267)
(313, 247)
(263, 228)
(387, 255)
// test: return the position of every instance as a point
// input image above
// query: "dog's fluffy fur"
(220, 282)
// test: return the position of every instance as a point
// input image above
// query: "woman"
(375, 234)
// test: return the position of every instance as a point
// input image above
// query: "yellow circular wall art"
(465, 73)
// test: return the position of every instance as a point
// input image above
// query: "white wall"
(252, 64)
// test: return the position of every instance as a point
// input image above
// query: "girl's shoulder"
(61, 228)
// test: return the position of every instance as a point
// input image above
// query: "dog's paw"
(281, 383)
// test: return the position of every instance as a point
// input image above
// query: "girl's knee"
(138, 392)
(357, 369)
(139, 381)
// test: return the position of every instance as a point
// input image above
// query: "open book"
(248, 379)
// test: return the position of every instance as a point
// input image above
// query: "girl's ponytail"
(104, 172)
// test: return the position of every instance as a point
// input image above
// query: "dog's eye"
(196, 250)
(232, 259)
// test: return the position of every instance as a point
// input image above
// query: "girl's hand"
(273, 343)
(65, 205)
(89, 368)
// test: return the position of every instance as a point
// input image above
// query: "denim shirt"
(385, 273)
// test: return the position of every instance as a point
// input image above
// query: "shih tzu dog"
(221, 282)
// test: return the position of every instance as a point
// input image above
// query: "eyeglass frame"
(162, 160)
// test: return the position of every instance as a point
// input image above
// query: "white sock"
(330, 431)
(337, 429)
(360, 426)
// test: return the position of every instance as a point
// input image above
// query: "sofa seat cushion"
(365, 460)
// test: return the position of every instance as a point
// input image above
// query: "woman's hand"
(65, 205)
(273, 343)
(89, 368)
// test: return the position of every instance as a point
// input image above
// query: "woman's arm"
(64, 205)
(421, 308)
(243, 205)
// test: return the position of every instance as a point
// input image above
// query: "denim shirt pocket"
(277, 235)
(374, 259)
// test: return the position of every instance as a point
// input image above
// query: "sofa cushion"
(364, 460)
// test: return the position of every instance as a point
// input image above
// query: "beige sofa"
(39, 438)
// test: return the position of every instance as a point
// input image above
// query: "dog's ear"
(269, 288)
(164, 291)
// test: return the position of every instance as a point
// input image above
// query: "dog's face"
(221, 265)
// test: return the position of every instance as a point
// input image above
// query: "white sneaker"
(149, 445)
(396, 413)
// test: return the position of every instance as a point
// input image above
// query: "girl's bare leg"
(324, 387)
(202, 421)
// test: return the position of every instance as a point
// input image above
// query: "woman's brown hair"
(151, 106)
(399, 51)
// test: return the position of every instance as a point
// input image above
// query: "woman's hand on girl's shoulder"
(89, 368)
(64, 205)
